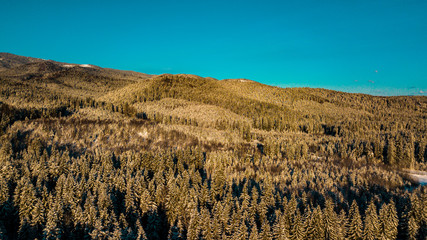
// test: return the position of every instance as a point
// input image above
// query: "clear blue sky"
(370, 46)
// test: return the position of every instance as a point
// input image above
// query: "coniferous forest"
(95, 153)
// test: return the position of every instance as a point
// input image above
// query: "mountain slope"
(8, 60)
(29, 81)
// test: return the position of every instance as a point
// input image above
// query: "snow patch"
(143, 134)
(243, 80)
(418, 176)
(68, 65)
(86, 65)
(421, 179)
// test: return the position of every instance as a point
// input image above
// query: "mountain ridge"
(247, 98)
(9, 61)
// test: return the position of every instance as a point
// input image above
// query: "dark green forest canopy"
(88, 152)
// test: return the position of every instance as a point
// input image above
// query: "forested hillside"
(88, 152)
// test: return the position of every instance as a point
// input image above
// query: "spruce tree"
(297, 227)
(388, 221)
(330, 221)
(193, 229)
(254, 230)
(371, 224)
(354, 229)
(266, 233)
(342, 225)
(281, 226)
(391, 153)
(140, 233)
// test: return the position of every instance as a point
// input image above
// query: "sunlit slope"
(198, 91)
(40, 83)
(264, 107)
(330, 106)
(8, 60)
(192, 100)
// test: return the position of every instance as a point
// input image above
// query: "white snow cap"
(86, 65)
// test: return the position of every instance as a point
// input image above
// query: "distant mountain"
(30, 77)
(8, 60)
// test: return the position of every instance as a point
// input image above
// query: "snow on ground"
(244, 80)
(421, 179)
(86, 65)
(68, 65)
(143, 134)
(418, 176)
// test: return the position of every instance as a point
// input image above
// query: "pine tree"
(304, 150)
(400, 150)
(281, 227)
(330, 221)
(242, 232)
(140, 233)
(391, 153)
(413, 228)
(378, 149)
(297, 227)
(207, 226)
(266, 230)
(254, 234)
(342, 225)
(52, 231)
(5, 152)
(193, 229)
(415, 217)
(421, 149)
(354, 231)
(216, 228)
(371, 227)
(314, 225)
(388, 221)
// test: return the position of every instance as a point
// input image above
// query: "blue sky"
(375, 47)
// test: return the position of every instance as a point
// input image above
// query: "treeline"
(10, 114)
